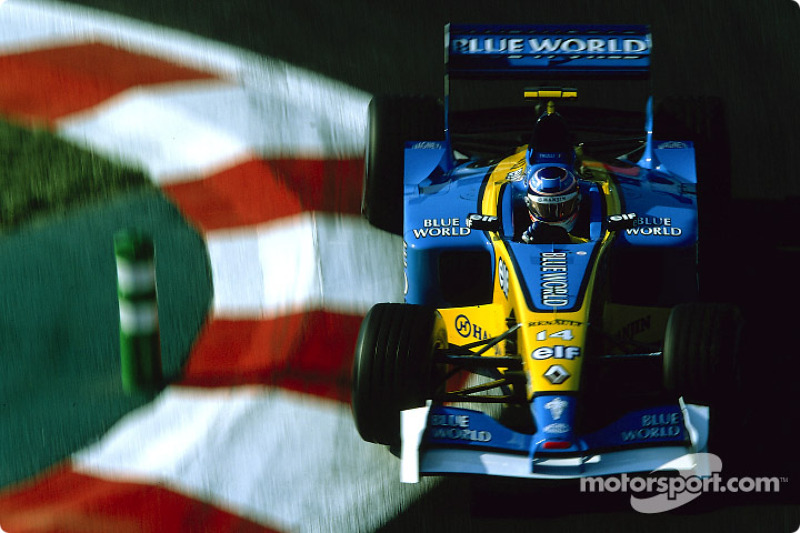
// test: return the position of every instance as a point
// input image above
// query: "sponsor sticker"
(556, 374)
(557, 427)
(556, 322)
(556, 352)
(595, 46)
(441, 227)
(427, 145)
(467, 329)
(502, 276)
(456, 427)
(655, 227)
(655, 426)
(405, 267)
(672, 145)
(633, 328)
(554, 284)
(556, 407)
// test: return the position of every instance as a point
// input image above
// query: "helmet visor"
(553, 208)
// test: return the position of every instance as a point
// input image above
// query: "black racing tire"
(702, 120)
(702, 352)
(393, 120)
(690, 118)
(394, 367)
(702, 363)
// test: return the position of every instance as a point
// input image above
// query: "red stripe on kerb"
(310, 353)
(45, 85)
(64, 500)
(259, 191)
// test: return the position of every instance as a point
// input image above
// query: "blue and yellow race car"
(553, 323)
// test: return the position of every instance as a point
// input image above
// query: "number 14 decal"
(564, 334)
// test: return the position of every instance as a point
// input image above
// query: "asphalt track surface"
(742, 51)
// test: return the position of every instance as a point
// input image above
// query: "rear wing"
(547, 51)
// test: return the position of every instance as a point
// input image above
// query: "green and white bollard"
(139, 339)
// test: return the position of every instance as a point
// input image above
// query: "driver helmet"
(553, 197)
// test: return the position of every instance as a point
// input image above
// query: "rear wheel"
(393, 367)
(393, 120)
(701, 120)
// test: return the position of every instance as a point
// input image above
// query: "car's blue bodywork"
(483, 279)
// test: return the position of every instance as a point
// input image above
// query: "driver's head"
(553, 197)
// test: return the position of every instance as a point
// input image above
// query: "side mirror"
(621, 221)
(483, 222)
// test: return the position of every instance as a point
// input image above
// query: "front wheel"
(702, 350)
(394, 367)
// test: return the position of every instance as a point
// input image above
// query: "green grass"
(42, 175)
(60, 385)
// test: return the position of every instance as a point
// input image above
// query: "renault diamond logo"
(556, 374)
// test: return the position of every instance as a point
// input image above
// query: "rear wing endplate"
(556, 51)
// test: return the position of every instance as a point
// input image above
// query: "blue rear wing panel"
(564, 51)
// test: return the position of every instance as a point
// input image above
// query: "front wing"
(447, 440)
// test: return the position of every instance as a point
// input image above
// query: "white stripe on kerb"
(183, 131)
(162, 139)
(176, 132)
(274, 457)
(32, 24)
(28, 25)
(310, 261)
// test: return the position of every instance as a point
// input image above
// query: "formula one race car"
(553, 323)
